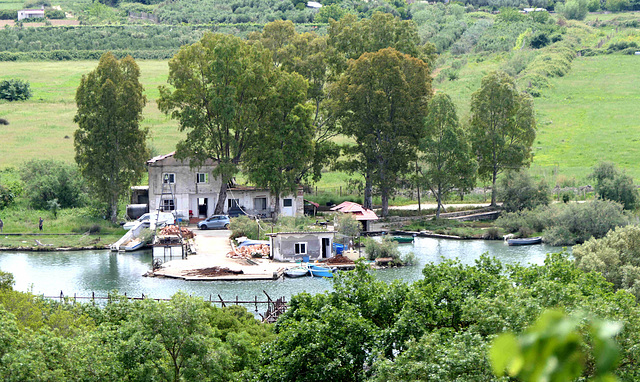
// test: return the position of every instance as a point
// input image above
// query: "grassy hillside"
(43, 126)
(587, 116)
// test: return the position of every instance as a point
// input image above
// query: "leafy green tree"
(503, 127)
(283, 143)
(447, 153)
(329, 12)
(518, 192)
(381, 101)
(573, 9)
(46, 180)
(220, 96)
(110, 145)
(615, 186)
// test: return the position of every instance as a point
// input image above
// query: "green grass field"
(589, 115)
(43, 126)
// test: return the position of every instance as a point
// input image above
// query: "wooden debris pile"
(212, 272)
(249, 251)
(175, 230)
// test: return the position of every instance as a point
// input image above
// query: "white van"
(164, 218)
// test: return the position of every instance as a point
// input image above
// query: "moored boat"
(525, 241)
(403, 239)
(317, 271)
(297, 272)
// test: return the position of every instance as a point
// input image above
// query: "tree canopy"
(220, 95)
(381, 101)
(110, 145)
(503, 127)
(447, 152)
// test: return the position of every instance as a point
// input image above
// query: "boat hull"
(316, 271)
(526, 241)
(294, 273)
(402, 239)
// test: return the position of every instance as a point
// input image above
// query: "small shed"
(361, 214)
(301, 246)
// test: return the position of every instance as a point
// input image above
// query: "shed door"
(326, 247)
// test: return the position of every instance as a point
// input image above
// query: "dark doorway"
(203, 207)
(326, 248)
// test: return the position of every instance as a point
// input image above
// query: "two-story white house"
(195, 191)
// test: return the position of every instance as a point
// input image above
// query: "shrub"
(573, 9)
(6, 197)
(348, 227)
(518, 192)
(244, 226)
(616, 256)
(46, 180)
(617, 5)
(615, 186)
(54, 14)
(380, 249)
(539, 40)
(567, 224)
(15, 90)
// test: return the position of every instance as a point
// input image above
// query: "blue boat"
(317, 271)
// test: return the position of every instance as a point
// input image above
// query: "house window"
(169, 178)
(168, 205)
(260, 204)
(233, 203)
(287, 202)
(301, 248)
(202, 177)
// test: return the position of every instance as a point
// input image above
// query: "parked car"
(163, 218)
(215, 221)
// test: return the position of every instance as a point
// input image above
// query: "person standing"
(40, 223)
(1, 225)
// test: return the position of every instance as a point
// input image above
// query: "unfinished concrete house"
(194, 192)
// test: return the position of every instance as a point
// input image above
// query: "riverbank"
(55, 241)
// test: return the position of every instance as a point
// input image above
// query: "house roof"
(161, 157)
(356, 209)
(32, 10)
(316, 205)
(298, 233)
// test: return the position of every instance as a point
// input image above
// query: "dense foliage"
(438, 328)
(566, 224)
(615, 186)
(518, 192)
(48, 180)
(616, 256)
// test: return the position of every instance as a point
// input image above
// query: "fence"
(274, 307)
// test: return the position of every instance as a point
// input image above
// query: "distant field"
(592, 114)
(43, 126)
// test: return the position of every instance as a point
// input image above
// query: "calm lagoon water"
(84, 272)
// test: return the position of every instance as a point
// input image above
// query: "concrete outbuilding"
(301, 246)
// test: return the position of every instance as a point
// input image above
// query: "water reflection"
(85, 272)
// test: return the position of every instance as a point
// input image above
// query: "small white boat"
(525, 241)
(297, 272)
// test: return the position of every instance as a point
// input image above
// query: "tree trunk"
(493, 189)
(385, 203)
(418, 187)
(222, 198)
(368, 198)
(114, 209)
(439, 204)
(276, 209)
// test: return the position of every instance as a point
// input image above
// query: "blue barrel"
(305, 259)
